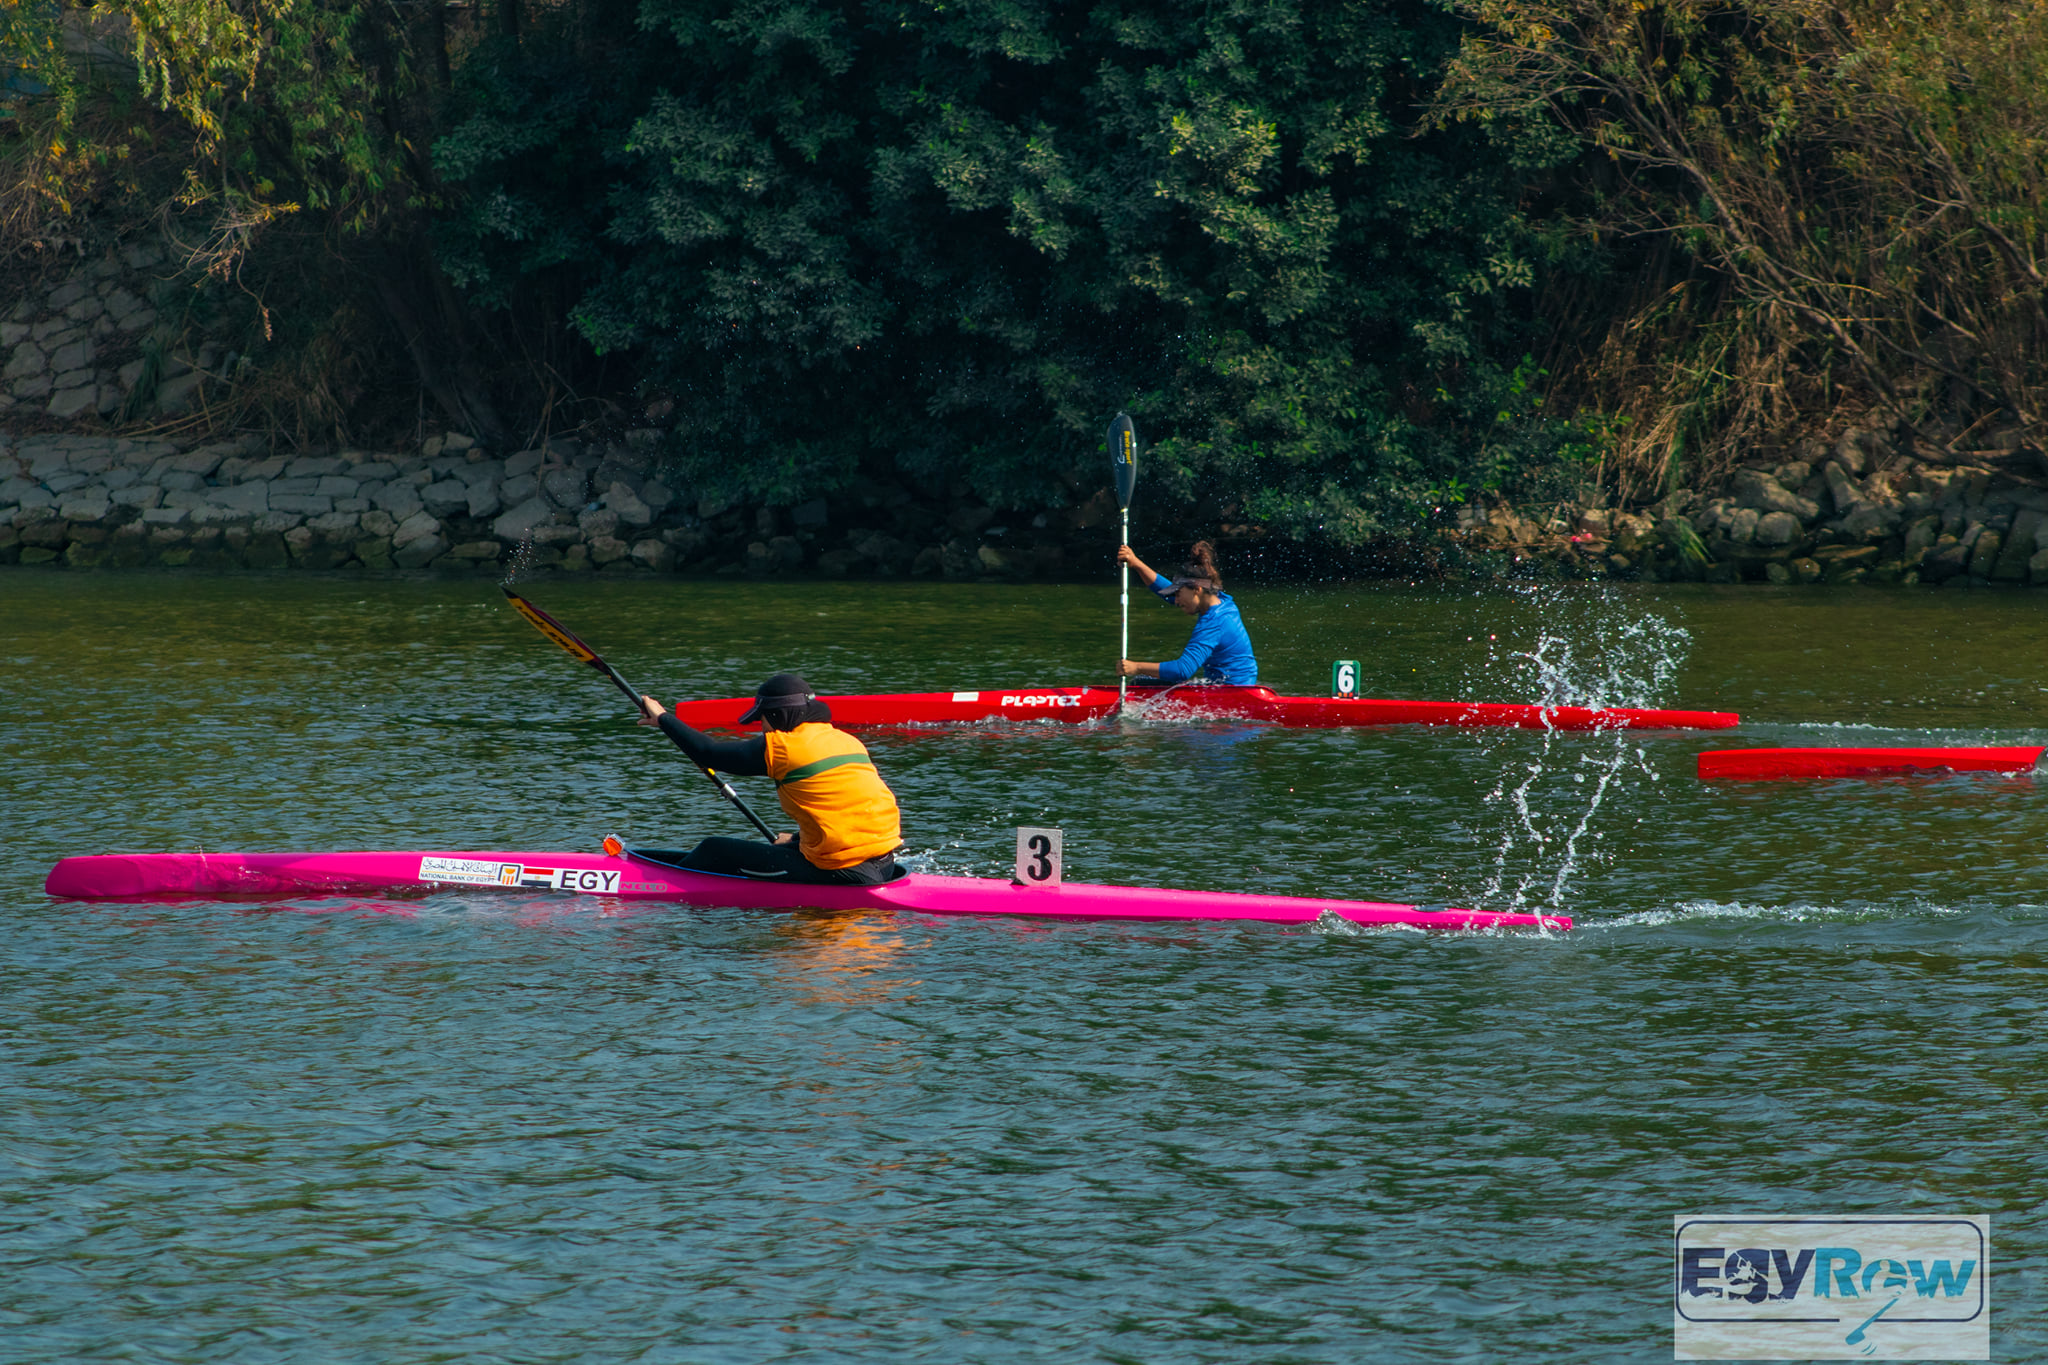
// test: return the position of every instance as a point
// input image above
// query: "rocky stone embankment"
(88, 501)
(1856, 509)
(88, 343)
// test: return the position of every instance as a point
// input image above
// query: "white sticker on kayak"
(967, 696)
(470, 871)
(1040, 699)
(591, 880)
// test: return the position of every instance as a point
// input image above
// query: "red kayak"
(1760, 765)
(1206, 702)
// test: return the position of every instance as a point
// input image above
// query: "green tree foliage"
(941, 242)
(33, 62)
(1862, 182)
(38, 110)
(286, 103)
(302, 125)
(948, 241)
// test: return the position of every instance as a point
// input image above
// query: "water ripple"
(520, 1127)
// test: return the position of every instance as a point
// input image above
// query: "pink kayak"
(1759, 765)
(642, 875)
(1207, 702)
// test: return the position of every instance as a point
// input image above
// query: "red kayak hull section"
(1764, 765)
(1077, 704)
(167, 876)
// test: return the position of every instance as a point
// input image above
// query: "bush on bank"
(843, 245)
(1796, 205)
(843, 240)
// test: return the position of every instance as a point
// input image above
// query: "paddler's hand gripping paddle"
(575, 648)
(1123, 463)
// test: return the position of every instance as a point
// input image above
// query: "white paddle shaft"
(1124, 648)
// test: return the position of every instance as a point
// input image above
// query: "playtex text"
(1831, 1288)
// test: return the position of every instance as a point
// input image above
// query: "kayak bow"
(646, 875)
(1208, 702)
(1763, 765)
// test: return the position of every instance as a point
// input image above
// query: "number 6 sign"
(1038, 857)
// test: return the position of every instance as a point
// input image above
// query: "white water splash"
(1800, 912)
(1588, 648)
(522, 561)
(1596, 648)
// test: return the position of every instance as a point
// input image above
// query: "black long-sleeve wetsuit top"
(741, 757)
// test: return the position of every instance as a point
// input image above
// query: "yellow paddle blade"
(561, 635)
(554, 630)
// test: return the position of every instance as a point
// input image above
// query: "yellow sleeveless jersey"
(844, 812)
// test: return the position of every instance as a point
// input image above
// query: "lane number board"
(1038, 857)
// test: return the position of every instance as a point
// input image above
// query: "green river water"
(494, 1127)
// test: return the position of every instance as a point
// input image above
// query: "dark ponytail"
(1202, 565)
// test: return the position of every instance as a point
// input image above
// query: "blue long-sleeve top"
(1219, 643)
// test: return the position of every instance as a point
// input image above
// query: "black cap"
(784, 691)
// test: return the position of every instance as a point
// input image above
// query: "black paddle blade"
(1123, 458)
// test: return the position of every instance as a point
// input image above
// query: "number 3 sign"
(1038, 857)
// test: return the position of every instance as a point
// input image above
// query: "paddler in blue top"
(1219, 647)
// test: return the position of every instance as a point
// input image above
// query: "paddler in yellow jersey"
(848, 825)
